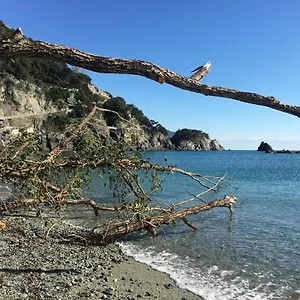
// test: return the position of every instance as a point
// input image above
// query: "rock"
(265, 147)
(284, 151)
(168, 285)
(194, 140)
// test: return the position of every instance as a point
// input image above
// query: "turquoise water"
(254, 255)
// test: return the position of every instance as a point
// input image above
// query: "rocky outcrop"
(24, 107)
(200, 145)
(136, 137)
(265, 147)
(268, 149)
(99, 92)
(287, 152)
(21, 102)
(194, 140)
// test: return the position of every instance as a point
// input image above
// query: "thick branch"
(111, 232)
(28, 48)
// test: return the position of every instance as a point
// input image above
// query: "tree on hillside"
(188, 134)
(56, 177)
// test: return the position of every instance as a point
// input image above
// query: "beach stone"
(107, 292)
(3, 245)
(168, 285)
(61, 269)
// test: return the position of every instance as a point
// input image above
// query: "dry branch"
(14, 204)
(114, 231)
(28, 48)
(201, 71)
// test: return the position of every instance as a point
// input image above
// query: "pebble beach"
(41, 259)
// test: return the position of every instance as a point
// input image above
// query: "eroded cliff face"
(21, 102)
(137, 137)
(25, 107)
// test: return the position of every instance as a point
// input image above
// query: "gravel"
(38, 263)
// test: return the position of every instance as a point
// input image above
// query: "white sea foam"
(206, 283)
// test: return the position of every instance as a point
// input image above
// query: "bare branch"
(201, 71)
(188, 223)
(14, 204)
(27, 48)
(108, 233)
(201, 193)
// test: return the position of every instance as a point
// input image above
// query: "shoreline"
(32, 267)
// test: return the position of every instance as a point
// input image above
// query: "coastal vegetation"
(56, 175)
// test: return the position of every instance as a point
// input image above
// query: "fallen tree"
(56, 178)
(112, 231)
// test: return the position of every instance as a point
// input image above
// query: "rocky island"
(191, 140)
(265, 147)
(268, 149)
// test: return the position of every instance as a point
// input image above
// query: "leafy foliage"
(128, 111)
(116, 104)
(26, 166)
(143, 120)
(188, 134)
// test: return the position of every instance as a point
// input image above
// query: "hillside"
(43, 95)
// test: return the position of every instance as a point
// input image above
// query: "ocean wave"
(208, 283)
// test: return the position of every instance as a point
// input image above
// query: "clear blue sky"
(252, 45)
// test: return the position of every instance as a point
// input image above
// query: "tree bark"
(113, 231)
(201, 71)
(27, 48)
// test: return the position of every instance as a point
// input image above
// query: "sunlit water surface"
(253, 255)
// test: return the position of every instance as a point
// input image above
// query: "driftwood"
(116, 230)
(19, 46)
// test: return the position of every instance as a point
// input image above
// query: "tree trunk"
(27, 48)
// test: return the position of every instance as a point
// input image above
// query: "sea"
(253, 253)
